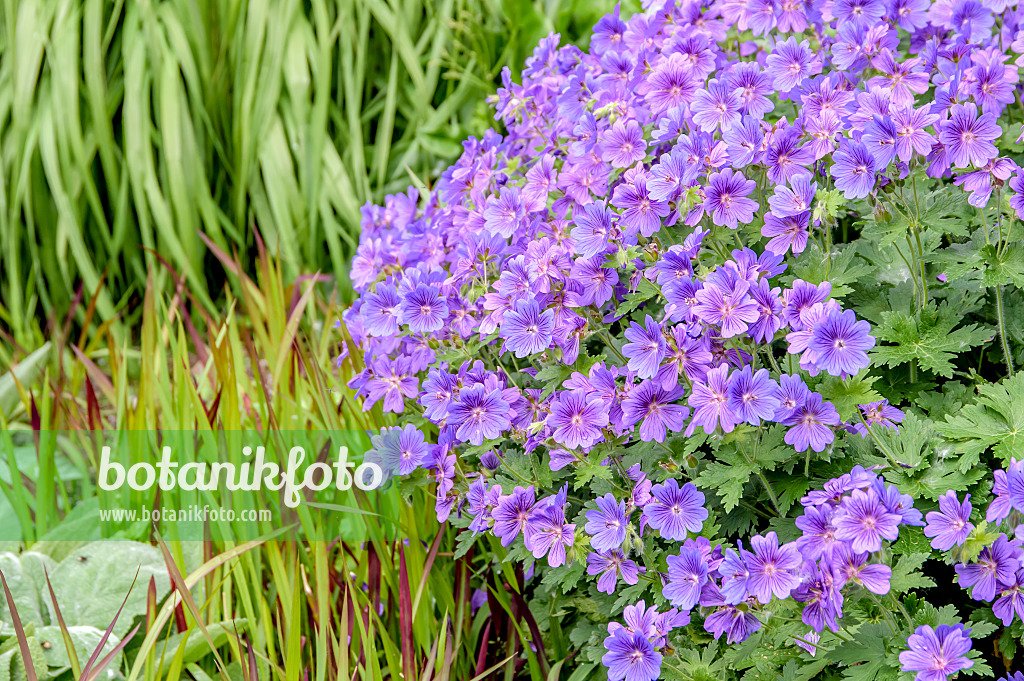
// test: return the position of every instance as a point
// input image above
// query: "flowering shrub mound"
(718, 337)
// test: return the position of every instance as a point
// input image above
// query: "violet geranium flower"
(936, 654)
(951, 524)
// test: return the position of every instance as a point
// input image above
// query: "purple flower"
(854, 170)
(576, 420)
(710, 403)
(526, 329)
(592, 228)
(968, 137)
(646, 349)
(997, 564)
(653, 407)
(951, 524)
(687, 574)
(910, 131)
(786, 202)
(380, 311)
(1011, 599)
(610, 565)
(810, 424)
(392, 383)
(790, 63)
(479, 414)
(819, 534)
(734, 310)
(673, 510)
(547, 534)
(850, 566)
(716, 107)
(772, 567)
(725, 198)
(736, 624)
(512, 513)
(631, 657)
(840, 343)
(880, 413)
(624, 144)
(506, 214)
(808, 641)
(423, 309)
(789, 233)
(607, 525)
(865, 522)
(936, 654)
(641, 213)
(753, 396)
(402, 450)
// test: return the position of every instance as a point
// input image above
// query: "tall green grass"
(310, 608)
(127, 128)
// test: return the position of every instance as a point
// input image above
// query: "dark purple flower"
(652, 406)
(840, 343)
(423, 309)
(772, 567)
(646, 349)
(997, 564)
(480, 414)
(624, 144)
(576, 421)
(607, 525)
(610, 565)
(631, 657)
(725, 198)
(936, 654)
(968, 137)
(526, 329)
(951, 524)
(687, 574)
(753, 396)
(854, 170)
(512, 513)
(673, 510)
(865, 522)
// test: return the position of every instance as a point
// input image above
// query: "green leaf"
(841, 268)
(85, 639)
(847, 395)
(644, 292)
(995, 421)
(727, 477)
(906, 574)
(92, 582)
(1005, 268)
(930, 336)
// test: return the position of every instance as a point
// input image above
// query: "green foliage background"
(128, 129)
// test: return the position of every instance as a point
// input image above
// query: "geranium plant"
(717, 336)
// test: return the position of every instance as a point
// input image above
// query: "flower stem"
(1002, 328)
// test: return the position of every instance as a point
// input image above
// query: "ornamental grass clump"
(656, 329)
